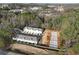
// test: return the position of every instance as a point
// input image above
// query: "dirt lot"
(32, 50)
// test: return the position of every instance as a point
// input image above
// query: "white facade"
(51, 6)
(25, 38)
(33, 31)
(35, 8)
(59, 8)
(16, 10)
(29, 35)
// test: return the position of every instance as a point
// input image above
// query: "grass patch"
(2, 43)
(76, 48)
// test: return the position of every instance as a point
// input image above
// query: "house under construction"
(38, 36)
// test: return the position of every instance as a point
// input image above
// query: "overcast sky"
(39, 1)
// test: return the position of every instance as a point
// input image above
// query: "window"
(31, 38)
(24, 37)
